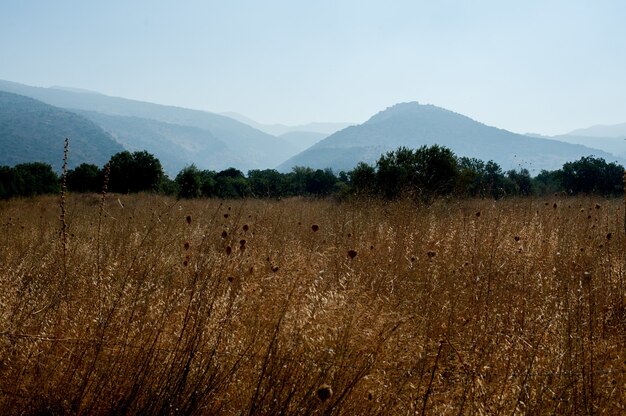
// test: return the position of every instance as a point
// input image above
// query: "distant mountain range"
(32, 131)
(413, 125)
(610, 138)
(230, 142)
(281, 129)
(34, 121)
(615, 130)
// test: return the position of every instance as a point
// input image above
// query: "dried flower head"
(324, 392)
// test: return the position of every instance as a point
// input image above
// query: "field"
(147, 305)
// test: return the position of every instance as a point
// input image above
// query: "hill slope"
(174, 145)
(31, 131)
(614, 130)
(253, 148)
(281, 129)
(413, 125)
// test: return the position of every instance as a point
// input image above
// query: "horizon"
(527, 68)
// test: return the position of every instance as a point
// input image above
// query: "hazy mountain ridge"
(282, 129)
(302, 140)
(613, 145)
(32, 131)
(176, 146)
(249, 147)
(413, 125)
(602, 130)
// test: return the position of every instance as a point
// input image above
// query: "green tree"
(135, 172)
(591, 175)
(268, 183)
(424, 173)
(547, 182)
(35, 179)
(520, 181)
(320, 182)
(363, 179)
(471, 179)
(84, 178)
(7, 183)
(231, 183)
(189, 181)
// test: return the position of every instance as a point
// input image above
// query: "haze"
(533, 66)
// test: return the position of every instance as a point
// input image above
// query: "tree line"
(424, 173)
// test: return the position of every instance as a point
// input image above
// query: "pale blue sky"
(526, 66)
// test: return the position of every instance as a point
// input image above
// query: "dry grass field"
(156, 306)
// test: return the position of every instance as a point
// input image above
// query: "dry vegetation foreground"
(155, 306)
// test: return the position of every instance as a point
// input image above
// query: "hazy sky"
(527, 66)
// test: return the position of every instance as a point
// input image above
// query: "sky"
(540, 66)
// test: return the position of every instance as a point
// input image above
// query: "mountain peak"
(413, 125)
(409, 109)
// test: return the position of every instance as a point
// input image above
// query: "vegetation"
(424, 174)
(150, 305)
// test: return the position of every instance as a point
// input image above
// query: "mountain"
(413, 125)
(302, 140)
(248, 148)
(282, 129)
(614, 145)
(32, 131)
(614, 130)
(174, 145)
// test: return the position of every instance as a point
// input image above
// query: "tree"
(521, 182)
(7, 183)
(591, 175)
(437, 170)
(189, 181)
(35, 179)
(136, 172)
(84, 178)
(363, 179)
(231, 183)
(425, 172)
(471, 179)
(494, 180)
(394, 172)
(268, 183)
(320, 182)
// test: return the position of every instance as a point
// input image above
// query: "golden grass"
(312, 307)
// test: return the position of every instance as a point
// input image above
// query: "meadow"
(141, 304)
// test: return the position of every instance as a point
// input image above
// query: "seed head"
(324, 392)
